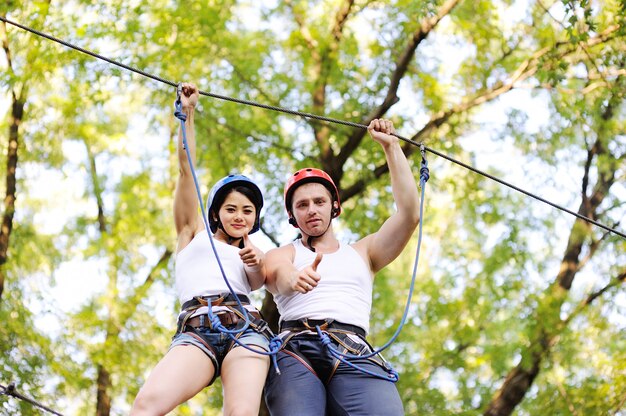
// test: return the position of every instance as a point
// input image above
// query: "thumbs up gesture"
(250, 255)
(308, 278)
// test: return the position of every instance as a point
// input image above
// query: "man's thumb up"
(317, 261)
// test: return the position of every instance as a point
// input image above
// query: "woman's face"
(237, 214)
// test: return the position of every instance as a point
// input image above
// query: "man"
(320, 284)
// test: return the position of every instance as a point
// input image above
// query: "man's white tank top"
(344, 292)
(198, 274)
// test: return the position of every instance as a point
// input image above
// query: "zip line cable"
(316, 117)
(10, 390)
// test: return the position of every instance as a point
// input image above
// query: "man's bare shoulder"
(363, 243)
(362, 247)
(286, 250)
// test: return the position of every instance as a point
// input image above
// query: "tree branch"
(139, 293)
(401, 67)
(619, 279)
(271, 236)
(5, 46)
(525, 70)
(97, 189)
(233, 129)
(548, 322)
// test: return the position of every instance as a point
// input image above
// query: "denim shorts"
(217, 344)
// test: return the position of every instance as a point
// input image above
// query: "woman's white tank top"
(198, 273)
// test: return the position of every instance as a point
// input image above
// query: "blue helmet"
(222, 187)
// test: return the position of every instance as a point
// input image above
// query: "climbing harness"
(229, 316)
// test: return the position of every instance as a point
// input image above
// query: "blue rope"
(183, 117)
(343, 357)
(275, 342)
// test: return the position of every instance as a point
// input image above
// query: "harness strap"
(341, 334)
(257, 322)
(224, 299)
(231, 317)
(227, 318)
(328, 325)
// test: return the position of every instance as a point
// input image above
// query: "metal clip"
(179, 91)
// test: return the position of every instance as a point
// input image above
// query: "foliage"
(531, 92)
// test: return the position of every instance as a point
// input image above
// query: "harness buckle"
(179, 90)
(263, 327)
(204, 300)
(323, 327)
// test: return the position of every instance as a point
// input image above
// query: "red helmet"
(307, 175)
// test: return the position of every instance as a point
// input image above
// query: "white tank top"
(198, 274)
(344, 292)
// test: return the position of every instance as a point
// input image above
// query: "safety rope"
(344, 357)
(315, 117)
(10, 390)
(275, 343)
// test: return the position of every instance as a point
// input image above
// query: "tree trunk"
(103, 405)
(17, 112)
(515, 386)
(548, 321)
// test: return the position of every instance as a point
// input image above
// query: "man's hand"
(307, 279)
(382, 131)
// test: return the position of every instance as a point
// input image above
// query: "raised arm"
(185, 198)
(388, 242)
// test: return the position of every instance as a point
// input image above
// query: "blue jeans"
(311, 384)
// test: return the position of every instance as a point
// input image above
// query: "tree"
(507, 289)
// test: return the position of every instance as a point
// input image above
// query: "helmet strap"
(309, 243)
(229, 238)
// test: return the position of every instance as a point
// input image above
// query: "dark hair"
(244, 190)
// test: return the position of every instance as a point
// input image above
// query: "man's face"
(312, 208)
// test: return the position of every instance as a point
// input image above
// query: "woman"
(199, 353)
